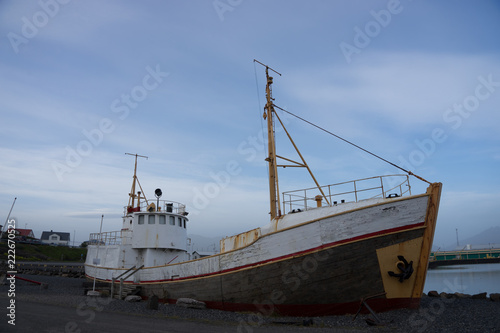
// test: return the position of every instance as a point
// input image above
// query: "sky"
(84, 82)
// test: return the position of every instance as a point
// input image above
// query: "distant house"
(24, 233)
(55, 238)
(199, 254)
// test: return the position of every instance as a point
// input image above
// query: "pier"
(464, 257)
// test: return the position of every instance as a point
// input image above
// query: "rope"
(351, 143)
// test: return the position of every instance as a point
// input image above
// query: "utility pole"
(457, 238)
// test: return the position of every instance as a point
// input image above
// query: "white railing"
(164, 205)
(110, 237)
(352, 191)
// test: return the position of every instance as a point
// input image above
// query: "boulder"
(460, 295)
(495, 297)
(133, 298)
(190, 303)
(479, 296)
(433, 293)
(446, 295)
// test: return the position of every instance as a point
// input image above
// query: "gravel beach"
(436, 314)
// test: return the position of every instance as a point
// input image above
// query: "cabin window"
(171, 220)
(141, 219)
(151, 219)
(184, 224)
(180, 221)
(162, 219)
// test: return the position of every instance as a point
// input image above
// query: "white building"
(55, 238)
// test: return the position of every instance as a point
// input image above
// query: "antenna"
(8, 217)
(267, 67)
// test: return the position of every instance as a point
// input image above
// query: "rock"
(152, 303)
(190, 303)
(445, 295)
(460, 295)
(479, 296)
(495, 297)
(133, 298)
(433, 293)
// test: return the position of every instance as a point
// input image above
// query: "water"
(466, 279)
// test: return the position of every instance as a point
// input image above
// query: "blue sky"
(84, 82)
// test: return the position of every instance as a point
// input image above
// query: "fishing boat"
(337, 246)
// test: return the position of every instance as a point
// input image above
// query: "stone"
(152, 303)
(133, 298)
(445, 295)
(433, 293)
(190, 303)
(460, 295)
(495, 297)
(479, 296)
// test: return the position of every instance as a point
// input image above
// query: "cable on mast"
(351, 143)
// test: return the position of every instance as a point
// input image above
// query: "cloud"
(406, 88)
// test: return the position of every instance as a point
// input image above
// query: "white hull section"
(292, 234)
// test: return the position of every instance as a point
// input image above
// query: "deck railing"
(351, 191)
(164, 206)
(110, 237)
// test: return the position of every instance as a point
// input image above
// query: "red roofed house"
(24, 234)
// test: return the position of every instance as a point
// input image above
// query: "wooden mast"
(271, 159)
(269, 114)
(132, 195)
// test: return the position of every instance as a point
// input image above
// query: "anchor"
(405, 268)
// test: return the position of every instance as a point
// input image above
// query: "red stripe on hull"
(347, 240)
(313, 310)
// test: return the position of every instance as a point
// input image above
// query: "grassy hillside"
(30, 252)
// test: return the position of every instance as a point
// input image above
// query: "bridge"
(464, 257)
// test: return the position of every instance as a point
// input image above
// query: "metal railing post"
(382, 186)
(121, 289)
(112, 287)
(355, 192)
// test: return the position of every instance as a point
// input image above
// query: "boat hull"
(325, 266)
(327, 281)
